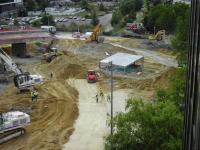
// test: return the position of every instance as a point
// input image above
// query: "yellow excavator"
(51, 52)
(95, 36)
(158, 36)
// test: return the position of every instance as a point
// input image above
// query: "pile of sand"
(158, 81)
(69, 45)
(53, 116)
(63, 67)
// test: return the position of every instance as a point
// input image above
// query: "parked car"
(65, 20)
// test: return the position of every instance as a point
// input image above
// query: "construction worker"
(35, 95)
(97, 98)
(101, 94)
(108, 98)
(51, 75)
(32, 95)
(107, 119)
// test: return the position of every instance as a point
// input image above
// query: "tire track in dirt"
(52, 118)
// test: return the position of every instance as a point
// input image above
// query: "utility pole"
(78, 26)
(48, 19)
(111, 97)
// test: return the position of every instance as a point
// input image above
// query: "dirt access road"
(92, 124)
(90, 127)
(53, 116)
(106, 22)
(164, 60)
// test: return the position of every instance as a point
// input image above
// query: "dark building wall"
(192, 104)
(8, 7)
(19, 50)
(6, 1)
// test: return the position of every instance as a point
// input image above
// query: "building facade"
(9, 7)
(192, 103)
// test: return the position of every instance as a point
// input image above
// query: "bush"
(147, 126)
(37, 23)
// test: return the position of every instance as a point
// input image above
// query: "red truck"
(91, 76)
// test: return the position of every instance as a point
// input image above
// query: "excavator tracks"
(8, 135)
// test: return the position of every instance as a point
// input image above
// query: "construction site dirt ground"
(54, 115)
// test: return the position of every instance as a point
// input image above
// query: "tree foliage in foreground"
(152, 125)
(147, 126)
(180, 42)
(175, 92)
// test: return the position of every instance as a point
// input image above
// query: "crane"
(12, 125)
(95, 35)
(22, 81)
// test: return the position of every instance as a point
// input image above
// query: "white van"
(50, 29)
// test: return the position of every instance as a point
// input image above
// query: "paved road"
(67, 35)
(164, 60)
(105, 21)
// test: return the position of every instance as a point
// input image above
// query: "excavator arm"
(95, 34)
(9, 62)
(21, 80)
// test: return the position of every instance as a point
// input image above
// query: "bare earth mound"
(53, 115)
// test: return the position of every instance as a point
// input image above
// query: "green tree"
(116, 17)
(147, 126)
(180, 42)
(36, 4)
(22, 12)
(147, 4)
(126, 12)
(16, 23)
(175, 93)
(164, 16)
(95, 20)
(37, 23)
(84, 4)
(128, 6)
(47, 20)
(42, 4)
(101, 7)
(31, 5)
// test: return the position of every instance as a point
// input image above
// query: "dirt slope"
(53, 116)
